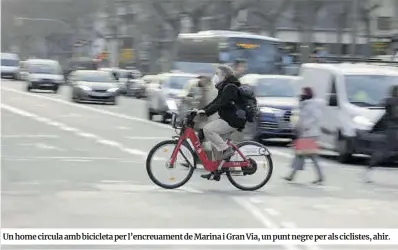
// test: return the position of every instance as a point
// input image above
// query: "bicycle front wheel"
(170, 177)
(258, 174)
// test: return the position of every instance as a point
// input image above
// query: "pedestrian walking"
(307, 131)
(385, 145)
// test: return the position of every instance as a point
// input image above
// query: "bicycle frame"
(209, 165)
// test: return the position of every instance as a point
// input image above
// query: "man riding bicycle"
(231, 117)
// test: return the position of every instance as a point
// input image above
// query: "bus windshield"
(262, 56)
(196, 54)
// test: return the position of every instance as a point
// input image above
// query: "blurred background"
(142, 33)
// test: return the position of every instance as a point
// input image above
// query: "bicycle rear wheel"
(260, 159)
(154, 162)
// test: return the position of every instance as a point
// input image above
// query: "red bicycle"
(242, 164)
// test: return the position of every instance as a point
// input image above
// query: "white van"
(9, 65)
(44, 74)
(353, 95)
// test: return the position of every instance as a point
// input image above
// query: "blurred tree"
(269, 12)
(366, 9)
(70, 13)
(341, 20)
(305, 14)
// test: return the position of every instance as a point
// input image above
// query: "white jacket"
(309, 120)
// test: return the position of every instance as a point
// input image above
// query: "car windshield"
(50, 69)
(275, 87)
(123, 74)
(104, 77)
(177, 82)
(9, 62)
(369, 90)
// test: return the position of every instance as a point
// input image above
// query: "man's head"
(240, 66)
(223, 72)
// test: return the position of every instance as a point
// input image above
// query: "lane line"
(147, 138)
(87, 108)
(263, 219)
(70, 158)
(76, 160)
(271, 212)
(135, 152)
(29, 136)
(267, 222)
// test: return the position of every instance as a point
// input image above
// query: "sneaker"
(229, 152)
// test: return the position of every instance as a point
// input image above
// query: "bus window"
(261, 56)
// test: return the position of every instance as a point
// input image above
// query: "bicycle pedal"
(212, 176)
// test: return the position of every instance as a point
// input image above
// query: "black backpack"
(249, 102)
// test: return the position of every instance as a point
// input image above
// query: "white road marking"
(46, 146)
(88, 135)
(147, 138)
(110, 143)
(29, 136)
(77, 131)
(143, 188)
(122, 128)
(263, 219)
(15, 159)
(271, 211)
(88, 108)
(71, 115)
(76, 160)
(5, 157)
(41, 119)
(66, 128)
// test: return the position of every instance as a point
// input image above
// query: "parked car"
(10, 66)
(164, 99)
(44, 74)
(277, 96)
(93, 86)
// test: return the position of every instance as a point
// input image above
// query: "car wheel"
(150, 115)
(114, 101)
(55, 90)
(344, 150)
(29, 87)
(164, 118)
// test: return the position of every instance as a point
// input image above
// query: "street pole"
(354, 26)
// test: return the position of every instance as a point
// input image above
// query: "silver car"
(165, 99)
(93, 86)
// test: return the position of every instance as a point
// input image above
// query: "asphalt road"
(83, 166)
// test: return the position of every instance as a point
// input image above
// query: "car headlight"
(268, 110)
(362, 121)
(113, 89)
(84, 87)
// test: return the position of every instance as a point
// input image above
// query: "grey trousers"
(299, 161)
(216, 132)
